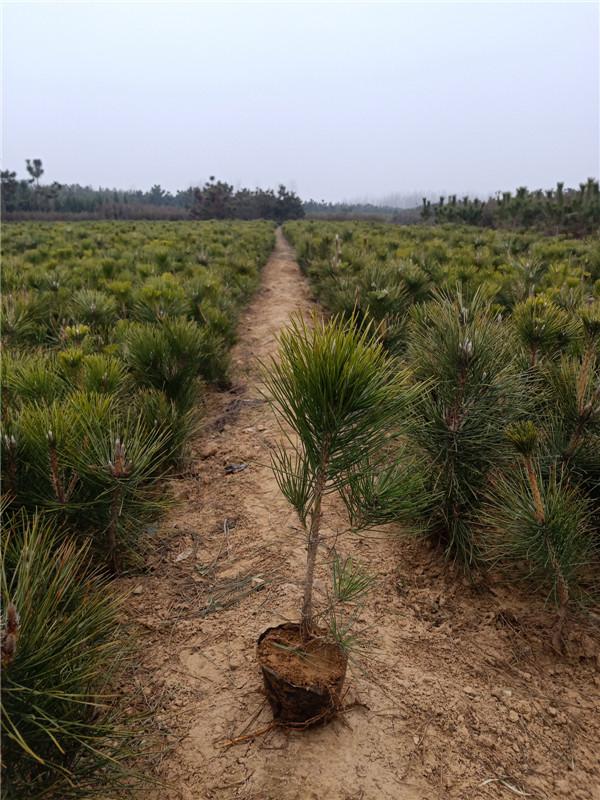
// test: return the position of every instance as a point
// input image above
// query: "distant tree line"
(28, 198)
(219, 200)
(572, 211)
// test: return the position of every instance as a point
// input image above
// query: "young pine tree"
(457, 432)
(340, 399)
(538, 527)
(62, 732)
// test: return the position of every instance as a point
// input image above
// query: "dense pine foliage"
(572, 211)
(501, 332)
(110, 332)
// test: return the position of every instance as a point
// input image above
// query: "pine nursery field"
(501, 333)
(443, 383)
(111, 333)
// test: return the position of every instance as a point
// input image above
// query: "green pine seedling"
(540, 525)
(543, 328)
(63, 734)
(457, 431)
(339, 398)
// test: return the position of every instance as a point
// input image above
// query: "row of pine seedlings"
(110, 332)
(498, 461)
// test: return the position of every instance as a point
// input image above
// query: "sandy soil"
(458, 695)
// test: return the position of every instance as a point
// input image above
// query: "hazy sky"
(337, 100)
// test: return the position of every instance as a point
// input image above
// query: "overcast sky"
(337, 100)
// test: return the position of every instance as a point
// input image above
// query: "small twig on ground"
(232, 785)
(249, 736)
(506, 785)
(253, 717)
(226, 530)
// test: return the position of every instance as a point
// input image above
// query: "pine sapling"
(523, 437)
(541, 525)
(587, 389)
(339, 399)
(460, 349)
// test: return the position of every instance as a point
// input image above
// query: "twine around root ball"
(329, 713)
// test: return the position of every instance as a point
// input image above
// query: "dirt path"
(459, 696)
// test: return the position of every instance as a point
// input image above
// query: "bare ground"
(458, 696)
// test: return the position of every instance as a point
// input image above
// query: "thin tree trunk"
(562, 588)
(535, 490)
(115, 511)
(582, 379)
(533, 357)
(313, 546)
